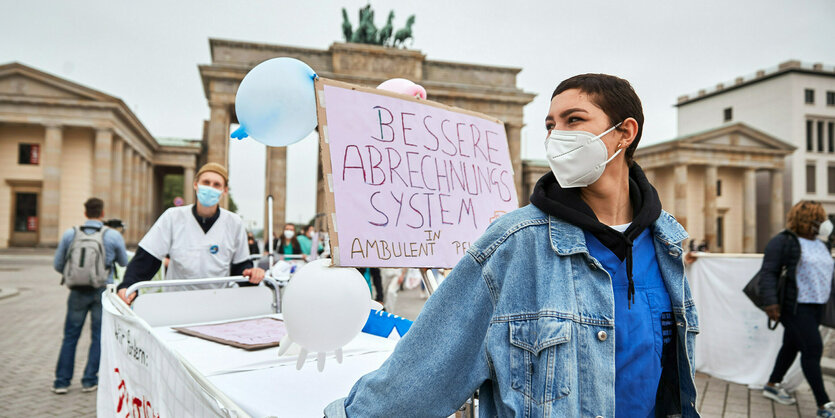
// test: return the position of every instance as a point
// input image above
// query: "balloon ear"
(240, 133)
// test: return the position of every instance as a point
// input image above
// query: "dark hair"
(93, 207)
(615, 97)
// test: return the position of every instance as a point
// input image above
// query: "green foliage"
(172, 186)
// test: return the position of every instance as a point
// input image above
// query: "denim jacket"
(527, 316)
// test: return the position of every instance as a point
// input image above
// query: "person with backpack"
(85, 258)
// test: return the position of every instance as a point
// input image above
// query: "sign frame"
(325, 152)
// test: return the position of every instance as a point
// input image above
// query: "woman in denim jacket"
(576, 305)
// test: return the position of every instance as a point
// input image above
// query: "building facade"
(487, 89)
(794, 102)
(746, 151)
(62, 143)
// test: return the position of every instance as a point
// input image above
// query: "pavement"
(32, 308)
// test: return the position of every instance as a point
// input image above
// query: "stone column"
(127, 193)
(276, 185)
(102, 180)
(51, 194)
(188, 185)
(143, 200)
(749, 215)
(113, 208)
(218, 137)
(711, 176)
(777, 217)
(680, 174)
(138, 196)
(152, 196)
(514, 144)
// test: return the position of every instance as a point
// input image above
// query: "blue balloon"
(276, 102)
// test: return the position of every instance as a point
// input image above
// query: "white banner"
(141, 378)
(734, 342)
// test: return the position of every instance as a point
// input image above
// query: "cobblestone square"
(32, 328)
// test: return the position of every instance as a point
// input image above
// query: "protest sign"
(140, 377)
(409, 183)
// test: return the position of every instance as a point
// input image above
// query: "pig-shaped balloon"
(403, 86)
(324, 308)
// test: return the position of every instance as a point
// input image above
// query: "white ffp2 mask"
(577, 158)
(825, 230)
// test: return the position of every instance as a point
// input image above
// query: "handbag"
(752, 290)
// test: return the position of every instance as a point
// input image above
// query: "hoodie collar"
(568, 205)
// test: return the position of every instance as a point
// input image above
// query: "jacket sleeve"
(440, 362)
(141, 268)
(61, 252)
(773, 263)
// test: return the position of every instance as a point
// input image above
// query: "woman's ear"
(628, 130)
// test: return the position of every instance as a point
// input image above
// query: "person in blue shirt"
(84, 299)
(576, 305)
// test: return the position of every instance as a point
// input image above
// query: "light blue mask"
(208, 196)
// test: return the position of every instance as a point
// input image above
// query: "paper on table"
(250, 334)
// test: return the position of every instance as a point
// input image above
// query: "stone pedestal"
(376, 62)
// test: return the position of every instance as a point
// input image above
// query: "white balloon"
(325, 307)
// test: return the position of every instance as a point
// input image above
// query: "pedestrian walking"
(85, 257)
(795, 285)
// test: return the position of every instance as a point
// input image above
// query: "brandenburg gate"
(487, 89)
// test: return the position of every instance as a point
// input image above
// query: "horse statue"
(406, 33)
(347, 29)
(384, 35)
(366, 32)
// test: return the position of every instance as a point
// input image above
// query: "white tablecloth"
(264, 384)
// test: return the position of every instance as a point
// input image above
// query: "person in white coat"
(202, 240)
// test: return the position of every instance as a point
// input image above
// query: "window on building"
(830, 98)
(28, 154)
(820, 136)
(720, 232)
(809, 141)
(810, 178)
(718, 187)
(809, 96)
(831, 136)
(728, 114)
(830, 178)
(26, 212)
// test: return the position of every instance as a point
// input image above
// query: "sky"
(147, 53)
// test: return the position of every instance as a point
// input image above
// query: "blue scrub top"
(639, 330)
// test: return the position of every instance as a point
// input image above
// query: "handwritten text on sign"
(414, 184)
